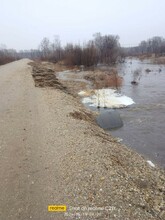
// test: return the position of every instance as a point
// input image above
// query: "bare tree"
(7, 55)
(45, 48)
(108, 48)
(154, 45)
(104, 49)
(56, 49)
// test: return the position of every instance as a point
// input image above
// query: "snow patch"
(108, 98)
(150, 163)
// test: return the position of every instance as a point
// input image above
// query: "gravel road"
(49, 156)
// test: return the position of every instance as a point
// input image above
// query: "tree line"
(102, 49)
(154, 45)
(7, 56)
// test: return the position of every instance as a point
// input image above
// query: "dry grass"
(82, 115)
(44, 75)
(104, 79)
(144, 56)
(61, 66)
(159, 60)
(6, 59)
(56, 67)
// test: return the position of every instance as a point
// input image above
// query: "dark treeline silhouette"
(154, 45)
(102, 49)
(7, 56)
(31, 54)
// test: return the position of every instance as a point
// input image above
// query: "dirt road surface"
(48, 157)
(27, 154)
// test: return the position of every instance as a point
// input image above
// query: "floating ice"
(108, 98)
(150, 163)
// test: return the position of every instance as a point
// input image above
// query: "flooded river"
(143, 122)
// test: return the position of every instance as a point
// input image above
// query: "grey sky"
(24, 23)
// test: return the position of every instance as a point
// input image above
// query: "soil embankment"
(52, 152)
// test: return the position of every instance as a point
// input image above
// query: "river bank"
(143, 82)
(96, 170)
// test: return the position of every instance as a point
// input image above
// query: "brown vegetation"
(44, 76)
(76, 55)
(102, 49)
(82, 115)
(104, 79)
(159, 60)
(144, 56)
(7, 56)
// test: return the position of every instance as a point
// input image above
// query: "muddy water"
(77, 76)
(144, 122)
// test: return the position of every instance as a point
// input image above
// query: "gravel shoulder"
(52, 152)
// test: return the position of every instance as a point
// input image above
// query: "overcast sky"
(24, 23)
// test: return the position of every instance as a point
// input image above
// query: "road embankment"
(52, 152)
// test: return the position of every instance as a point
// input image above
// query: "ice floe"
(150, 163)
(108, 98)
